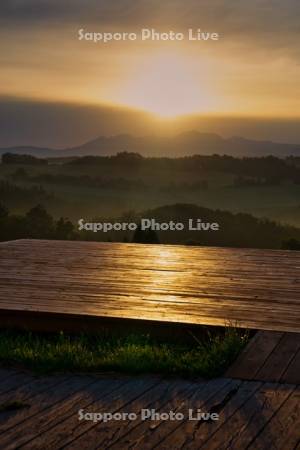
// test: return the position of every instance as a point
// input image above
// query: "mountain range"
(184, 144)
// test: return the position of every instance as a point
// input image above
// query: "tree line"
(268, 169)
(236, 230)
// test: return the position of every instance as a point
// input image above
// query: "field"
(109, 189)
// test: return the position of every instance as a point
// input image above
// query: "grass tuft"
(131, 354)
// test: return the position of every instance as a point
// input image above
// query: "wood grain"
(251, 414)
(193, 285)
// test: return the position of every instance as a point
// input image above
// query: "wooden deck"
(42, 413)
(258, 289)
(269, 356)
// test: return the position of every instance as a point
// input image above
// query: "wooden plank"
(283, 429)
(245, 424)
(204, 430)
(175, 400)
(292, 373)
(14, 381)
(165, 313)
(112, 390)
(167, 395)
(6, 373)
(32, 385)
(173, 434)
(90, 435)
(248, 287)
(278, 361)
(13, 426)
(30, 397)
(252, 414)
(252, 358)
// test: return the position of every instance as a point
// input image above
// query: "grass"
(131, 354)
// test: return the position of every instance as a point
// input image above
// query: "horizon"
(59, 125)
(242, 82)
(163, 136)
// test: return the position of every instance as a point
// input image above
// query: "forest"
(254, 200)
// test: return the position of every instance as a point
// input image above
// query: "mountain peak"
(184, 144)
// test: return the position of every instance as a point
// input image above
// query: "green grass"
(132, 354)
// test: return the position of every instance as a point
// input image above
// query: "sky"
(48, 76)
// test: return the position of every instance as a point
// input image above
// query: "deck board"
(191, 285)
(269, 356)
(252, 414)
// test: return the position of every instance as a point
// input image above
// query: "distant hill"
(184, 144)
(236, 229)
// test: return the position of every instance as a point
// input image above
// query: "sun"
(168, 86)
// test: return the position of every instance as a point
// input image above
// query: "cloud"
(30, 12)
(59, 125)
(235, 13)
(256, 63)
(273, 24)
